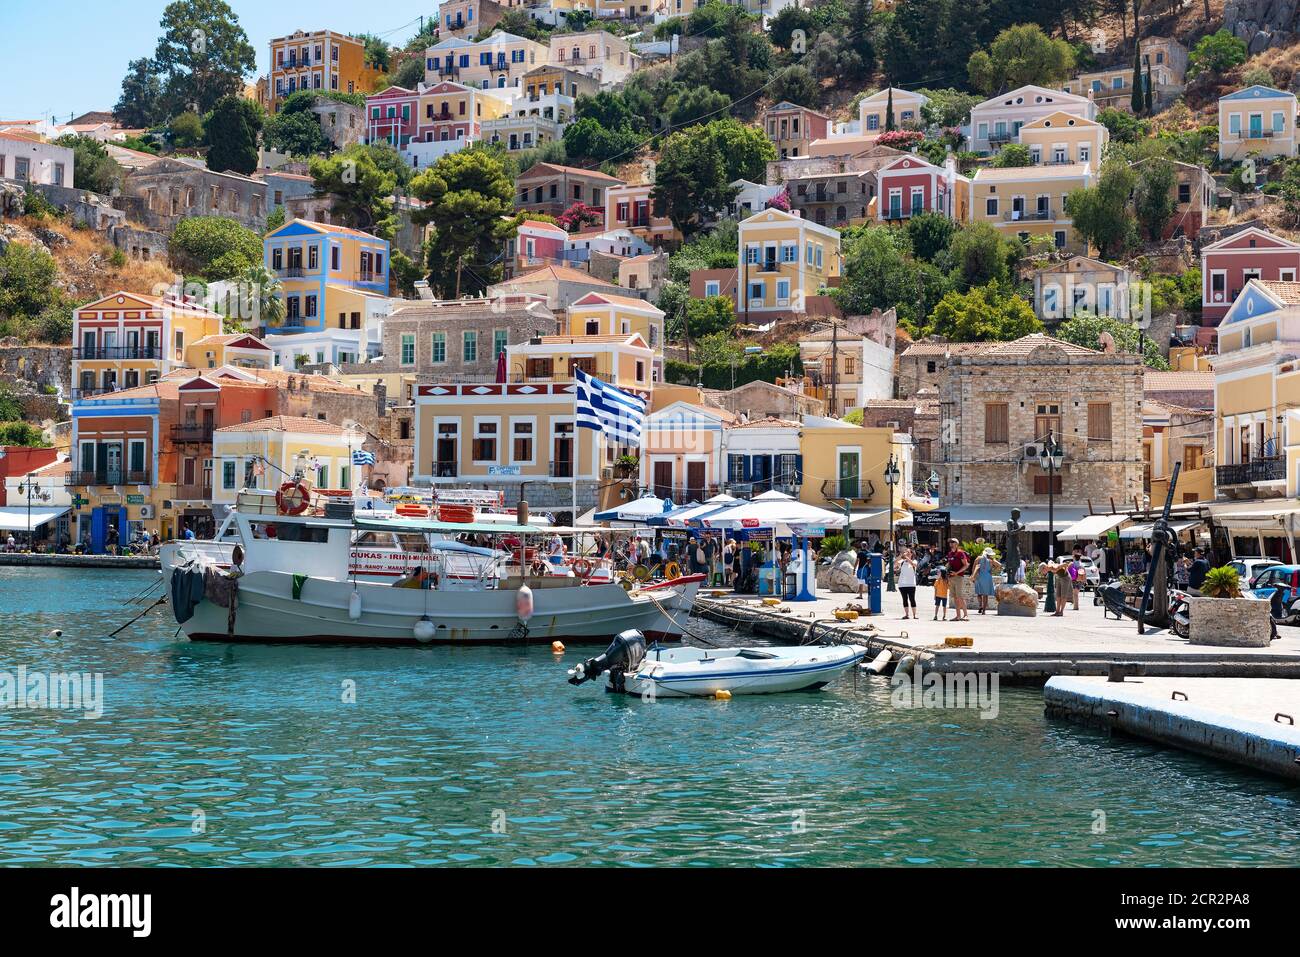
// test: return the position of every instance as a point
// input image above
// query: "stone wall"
(1262, 23)
(140, 244)
(83, 206)
(36, 365)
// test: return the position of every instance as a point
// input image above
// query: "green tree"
(878, 273)
(795, 84)
(782, 27)
(1085, 330)
(947, 107)
(185, 130)
(930, 234)
(980, 255)
(711, 315)
(470, 202)
(586, 137)
(203, 54)
(410, 74)
(22, 434)
(696, 105)
(214, 247)
(1101, 214)
(28, 280)
(1012, 154)
(1153, 196)
(1021, 54)
(93, 168)
(141, 103)
(1123, 127)
(378, 54)
(697, 167)
(984, 314)
(1216, 54)
(295, 133)
(1136, 101)
(362, 189)
(231, 132)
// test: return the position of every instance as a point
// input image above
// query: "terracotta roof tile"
(285, 423)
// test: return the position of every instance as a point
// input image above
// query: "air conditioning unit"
(1031, 451)
(146, 511)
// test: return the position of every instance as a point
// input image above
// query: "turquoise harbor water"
(487, 756)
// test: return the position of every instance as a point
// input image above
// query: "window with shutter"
(1099, 422)
(1040, 484)
(995, 423)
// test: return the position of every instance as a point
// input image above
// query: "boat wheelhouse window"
(291, 532)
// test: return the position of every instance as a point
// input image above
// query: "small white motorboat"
(686, 672)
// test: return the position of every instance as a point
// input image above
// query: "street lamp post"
(891, 479)
(1050, 458)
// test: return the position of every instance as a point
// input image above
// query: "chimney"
(381, 398)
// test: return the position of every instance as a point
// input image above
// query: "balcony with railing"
(189, 434)
(1272, 469)
(1249, 134)
(1000, 137)
(446, 468)
(117, 352)
(194, 492)
(83, 478)
(368, 275)
(291, 272)
(91, 392)
(1042, 214)
(560, 470)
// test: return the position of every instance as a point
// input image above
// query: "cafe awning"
(1144, 529)
(13, 518)
(994, 518)
(1092, 526)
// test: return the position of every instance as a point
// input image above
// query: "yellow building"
(240, 350)
(846, 463)
(287, 443)
(318, 60)
(324, 271)
(1060, 139)
(784, 260)
(1172, 434)
(625, 361)
(1258, 121)
(601, 314)
(507, 433)
(873, 110)
(1256, 383)
(127, 340)
(1024, 202)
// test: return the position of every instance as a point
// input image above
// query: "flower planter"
(1229, 622)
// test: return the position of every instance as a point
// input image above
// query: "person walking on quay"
(905, 576)
(959, 564)
(1182, 571)
(985, 567)
(1076, 578)
(941, 594)
(110, 540)
(1196, 574)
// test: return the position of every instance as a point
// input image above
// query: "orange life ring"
(581, 567)
(292, 498)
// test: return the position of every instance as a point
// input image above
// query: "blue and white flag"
(362, 457)
(616, 414)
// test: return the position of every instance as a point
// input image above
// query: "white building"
(30, 160)
(762, 455)
(338, 345)
(997, 120)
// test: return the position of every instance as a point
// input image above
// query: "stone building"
(458, 340)
(163, 193)
(918, 417)
(761, 400)
(999, 404)
(922, 365)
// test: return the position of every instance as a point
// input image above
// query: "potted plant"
(626, 466)
(1222, 616)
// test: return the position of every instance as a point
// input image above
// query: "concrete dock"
(37, 559)
(1026, 650)
(1248, 721)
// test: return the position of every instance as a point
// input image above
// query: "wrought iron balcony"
(107, 477)
(446, 468)
(1246, 473)
(117, 352)
(1027, 215)
(192, 434)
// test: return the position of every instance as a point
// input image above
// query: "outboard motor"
(625, 653)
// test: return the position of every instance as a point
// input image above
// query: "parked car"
(1280, 585)
(1248, 568)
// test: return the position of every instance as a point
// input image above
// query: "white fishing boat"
(688, 672)
(297, 580)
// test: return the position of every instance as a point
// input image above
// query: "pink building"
(393, 116)
(538, 244)
(1227, 265)
(909, 185)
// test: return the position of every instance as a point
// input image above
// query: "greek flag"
(361, 457)
(616, 414)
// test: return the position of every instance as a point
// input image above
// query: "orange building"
(318, 60)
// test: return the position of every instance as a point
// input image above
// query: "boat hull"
(267, 612)
(696, 672)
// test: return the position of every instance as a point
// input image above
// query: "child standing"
(941, 594)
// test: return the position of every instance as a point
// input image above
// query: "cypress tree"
(889, 108)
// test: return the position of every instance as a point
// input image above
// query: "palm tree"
(260, 301)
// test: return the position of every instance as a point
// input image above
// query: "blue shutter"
(98, 530)
(798, 469)
(748, 469)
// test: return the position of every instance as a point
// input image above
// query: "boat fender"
(354, 606)
(424, 629)
(57, 633)
(878, 663)
(906, 665)
(524, 603)
(722, 694)
(557, 647)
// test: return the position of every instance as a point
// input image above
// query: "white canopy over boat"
(774, 509)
